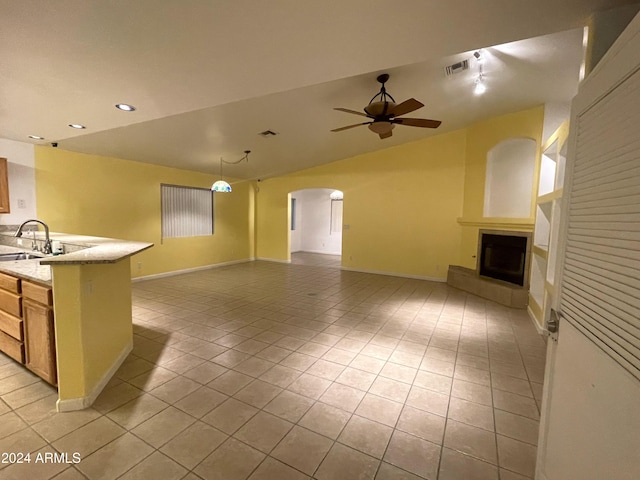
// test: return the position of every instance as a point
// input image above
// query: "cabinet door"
(40, 351)
(4, 187)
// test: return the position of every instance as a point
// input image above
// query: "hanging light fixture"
(222, 186)
(480, 87)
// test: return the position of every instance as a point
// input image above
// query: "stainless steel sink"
(8, 257)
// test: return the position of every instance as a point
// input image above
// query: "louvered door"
(601, 279)
(590, 415)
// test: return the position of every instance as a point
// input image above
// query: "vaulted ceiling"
(207, 76)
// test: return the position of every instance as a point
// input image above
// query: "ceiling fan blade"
(405, 107)
(355, 112)
(386, 134)
(417, 122)
(349, 126)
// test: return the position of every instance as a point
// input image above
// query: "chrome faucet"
(47, 243)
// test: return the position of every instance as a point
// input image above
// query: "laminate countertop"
(79, 250)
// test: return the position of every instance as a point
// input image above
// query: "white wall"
(22, 181)
(296, 235)
(313, 223)
(593, 419)
(509, 179)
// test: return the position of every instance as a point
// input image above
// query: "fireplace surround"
(502, 268)
(504, 256)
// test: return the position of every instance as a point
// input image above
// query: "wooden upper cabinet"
(4, 187)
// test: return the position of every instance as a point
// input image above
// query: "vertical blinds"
(601, 278)
(186, 211)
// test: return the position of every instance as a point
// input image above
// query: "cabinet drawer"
(11, 303)
(37, 293)
(9, 283)
(12, 347)
(11, 325)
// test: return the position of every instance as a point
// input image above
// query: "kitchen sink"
(7, 257)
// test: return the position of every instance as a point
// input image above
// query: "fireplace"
(504, 256)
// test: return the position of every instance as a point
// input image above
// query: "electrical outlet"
(89, 287)
(22, 203)
(20, 242)
(139, 266)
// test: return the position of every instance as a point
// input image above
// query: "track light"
(480, 87)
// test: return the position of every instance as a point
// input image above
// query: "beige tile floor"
(270, 371)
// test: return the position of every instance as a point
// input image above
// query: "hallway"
(272, 371)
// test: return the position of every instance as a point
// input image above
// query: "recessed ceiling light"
(76, 125)
(36, 137)
(125, 107)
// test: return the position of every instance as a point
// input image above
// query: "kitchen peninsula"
(85, 295)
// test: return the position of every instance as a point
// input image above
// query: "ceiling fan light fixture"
(381, 127)
(379, 108)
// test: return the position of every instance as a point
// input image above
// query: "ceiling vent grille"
(457, 68)
(268, 133)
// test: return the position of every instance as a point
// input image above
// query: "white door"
(590, 424)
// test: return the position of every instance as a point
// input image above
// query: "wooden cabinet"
(27, 331)
(11, 325)
(40, 346)
(4, 187)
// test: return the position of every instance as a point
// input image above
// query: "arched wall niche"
(509, 179)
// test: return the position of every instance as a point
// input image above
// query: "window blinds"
(186, 211)
(601, 278)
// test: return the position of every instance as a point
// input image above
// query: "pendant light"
(222, 186)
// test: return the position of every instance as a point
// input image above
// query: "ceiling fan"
(384, 113)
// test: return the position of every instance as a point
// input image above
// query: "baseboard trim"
(275, 260)
(396, 274)
(73, 404)
(190, 270)
(532, 317)
(319, 252)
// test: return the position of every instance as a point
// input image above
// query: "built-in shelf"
(542, 292)
(541, 251)
(505, 223)
(550, 197)
(550, 287)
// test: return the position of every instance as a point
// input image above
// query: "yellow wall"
(481, 138)
(412, 209)
(400, 203)
(109, 197)
(406, 206)
(92, 308)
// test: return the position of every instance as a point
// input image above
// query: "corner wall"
(481, 138)
(400, 207)
(410, 210)
(110, 197)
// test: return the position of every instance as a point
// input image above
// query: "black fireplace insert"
(503, 257)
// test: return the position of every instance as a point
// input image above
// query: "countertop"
(29, 269)
(82, 250)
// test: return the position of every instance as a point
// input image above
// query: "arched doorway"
(316, 226)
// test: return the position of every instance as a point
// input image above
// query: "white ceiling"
(208, 76)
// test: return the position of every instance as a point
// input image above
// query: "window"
(186, 211)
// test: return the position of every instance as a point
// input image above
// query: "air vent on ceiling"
(457, 68)
(268, 133)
